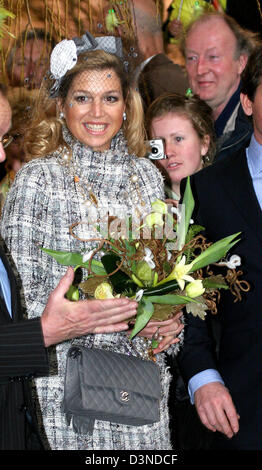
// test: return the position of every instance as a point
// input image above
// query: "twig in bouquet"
(76, 224)
(236, 286)
(211, 300)
(198, 242)
(103, 241)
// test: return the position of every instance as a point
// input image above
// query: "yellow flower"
(180, 274)
(143, 271)
(159, 206)
(195, 288)
(104, 291)
(155, 218)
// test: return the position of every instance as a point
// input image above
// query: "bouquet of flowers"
(164, 272)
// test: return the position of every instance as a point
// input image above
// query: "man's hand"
(63, 319)
(216, 409)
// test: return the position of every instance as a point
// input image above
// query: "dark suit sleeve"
(198, 351)
(22, 350)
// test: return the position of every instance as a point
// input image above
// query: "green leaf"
(162, 289)
(130, 248)
(72, 293)
(167, 268)
(145, 311)
(215, 252)
(215, 282)
(188, 204)
(154, 343)
(170, 299)
(66, 258)
(193, 231)
(96, 267)
(120, 281)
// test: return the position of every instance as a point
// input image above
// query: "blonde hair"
(44, 134)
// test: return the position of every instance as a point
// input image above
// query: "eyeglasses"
(6, 140)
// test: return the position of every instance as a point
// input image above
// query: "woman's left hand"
(165, 332)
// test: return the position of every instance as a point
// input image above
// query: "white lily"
(232, 263)
(177, 211)
(155, 218)
(139, 295)
(87, 255)
(149, 258)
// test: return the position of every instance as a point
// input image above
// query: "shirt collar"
(222, 119)
(254, 155)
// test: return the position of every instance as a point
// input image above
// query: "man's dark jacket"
(22, 356)
(231, 142)
(226, 204)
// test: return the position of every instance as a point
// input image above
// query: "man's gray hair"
(246, 41)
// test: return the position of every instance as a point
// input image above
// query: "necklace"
(89, 199)
(84, 185)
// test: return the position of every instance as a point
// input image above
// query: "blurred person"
(28, 60)
(21, 105)
(156, 73)
(182, 12)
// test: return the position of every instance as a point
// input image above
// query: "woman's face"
(183, 147)
(94, 108)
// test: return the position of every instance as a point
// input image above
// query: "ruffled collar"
(81, 153)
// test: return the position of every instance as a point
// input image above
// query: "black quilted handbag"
(109, 386)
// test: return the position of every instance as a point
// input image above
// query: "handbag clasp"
(124, 396)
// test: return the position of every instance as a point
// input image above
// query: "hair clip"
(65, 54)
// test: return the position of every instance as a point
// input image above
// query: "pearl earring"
(61, 115)
(124, 116)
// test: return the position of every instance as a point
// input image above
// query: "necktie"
(5, 291)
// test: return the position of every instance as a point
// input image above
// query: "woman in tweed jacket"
(87, 167)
